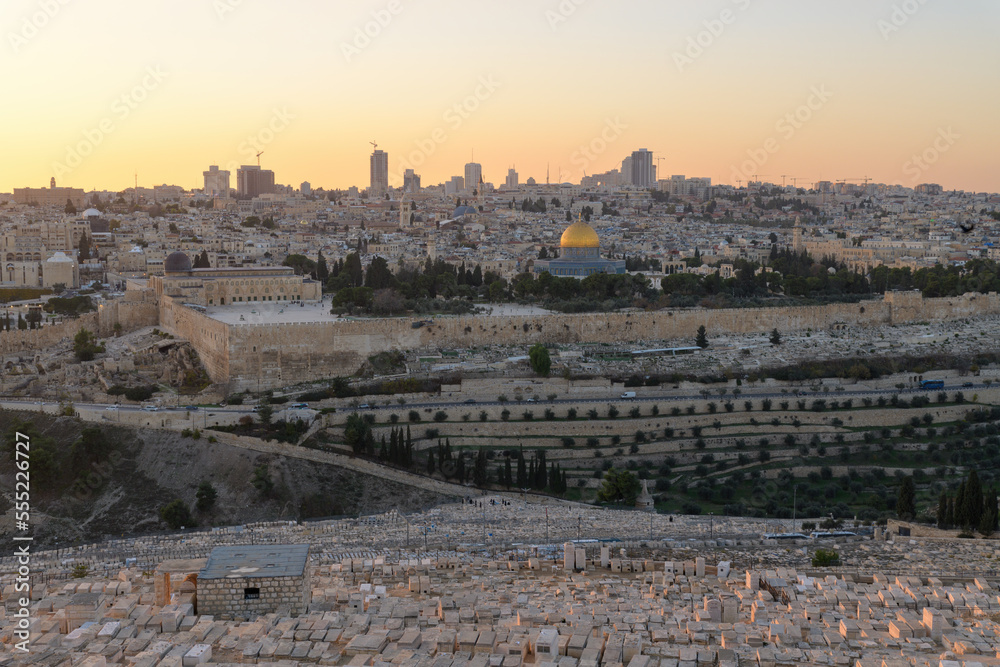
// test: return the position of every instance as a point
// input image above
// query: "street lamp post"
(711, 519)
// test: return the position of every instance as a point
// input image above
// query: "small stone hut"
(241, 582)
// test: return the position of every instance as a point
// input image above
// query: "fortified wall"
(282, 354)
(209, 337)
(131, 315)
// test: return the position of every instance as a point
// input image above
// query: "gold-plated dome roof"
(580, 235)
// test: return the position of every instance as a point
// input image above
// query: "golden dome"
(580, 235)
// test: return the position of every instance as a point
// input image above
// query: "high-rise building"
(411, 182)
(454, 186)
(473, 176)
(643, 173)
(306, 188)
(252, 181)
(216, 182)
(379, 173)
(512, 179)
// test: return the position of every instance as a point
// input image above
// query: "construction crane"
(258, 157)
(783, 177)
(374, 145)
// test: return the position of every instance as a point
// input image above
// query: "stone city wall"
(131, 316)
(282, 354)
(209, 337)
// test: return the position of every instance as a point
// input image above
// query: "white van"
(628, 394)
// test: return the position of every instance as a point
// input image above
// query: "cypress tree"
(959, 501)
(430, 462)
(942, 512)
(973, 500)
(508, 478)
(949, 518)
(541, 472)
(906, 500)
(522, 470)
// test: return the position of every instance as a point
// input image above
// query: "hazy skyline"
(168, 88)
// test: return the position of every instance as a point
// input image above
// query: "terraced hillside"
(813, 452)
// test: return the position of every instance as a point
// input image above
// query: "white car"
(111, 407)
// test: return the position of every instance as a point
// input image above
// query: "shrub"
(176, 514)
(825, 558)
(414, 416)
(571, 413)
(568, 442)
(440, 416)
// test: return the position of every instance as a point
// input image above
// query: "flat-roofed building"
(251, 580)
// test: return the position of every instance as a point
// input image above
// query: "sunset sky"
(181, 84)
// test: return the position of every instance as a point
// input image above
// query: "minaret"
(797, 244)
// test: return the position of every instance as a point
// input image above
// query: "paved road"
(19, 403)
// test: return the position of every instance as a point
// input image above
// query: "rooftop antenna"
(135, 190)
(546, 173)
(258, 158)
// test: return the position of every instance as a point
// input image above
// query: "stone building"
(252, 580)
(221, 287)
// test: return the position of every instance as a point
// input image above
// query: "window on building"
(251, 593)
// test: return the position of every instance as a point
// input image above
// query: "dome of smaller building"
(59, 257)
(176, 262)
(464, 210)
(580, 235)
(91, 213)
